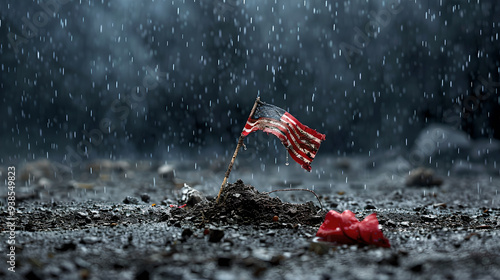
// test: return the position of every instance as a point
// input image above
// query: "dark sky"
(111, 78)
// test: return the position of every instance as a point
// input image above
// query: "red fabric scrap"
(346, 229)
(177, 206)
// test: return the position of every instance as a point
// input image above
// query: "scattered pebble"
(429, 218)
(423, 177)
(319, 247)
(131, 200)
(166, 172)
(145, 197)
(439, 205)
(191, 196)
(224, 261)
(186, 233)
(215, 235)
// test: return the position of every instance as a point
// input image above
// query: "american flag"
(301, 141)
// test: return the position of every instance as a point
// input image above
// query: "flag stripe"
(293, 137)
(301, 141)
(311, 131)
(304, 130)
(288, 139)
(304, 137)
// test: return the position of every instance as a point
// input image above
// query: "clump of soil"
(243, 204)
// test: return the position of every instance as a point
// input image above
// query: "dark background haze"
(149, 78)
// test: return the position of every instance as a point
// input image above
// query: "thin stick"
(240, 143)
(291, 190)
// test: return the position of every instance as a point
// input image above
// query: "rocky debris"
(89, 233)
(131, 200)
(423, 177)
(145, 197)
(215, 235)
(167, 172)
(191, 196)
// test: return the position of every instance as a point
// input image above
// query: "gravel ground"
(120, 220)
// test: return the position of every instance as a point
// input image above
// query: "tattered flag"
(301, 141)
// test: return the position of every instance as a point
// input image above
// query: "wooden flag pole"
(240, 142)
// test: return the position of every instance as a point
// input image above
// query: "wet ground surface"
(120, 220)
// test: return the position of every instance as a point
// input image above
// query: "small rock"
(80, 263)
(417, 267)
(67, 266)
(89, 240)
(145, 197)
(81, 215)
(423, 177)
(370, 207)
(131, 200)
(215, 235)
(319, 247)
(390, 223)
(405, 224)
(224, 261)
(276, 260)
(186, 233)
(191, 196)
(439, 205)
(166, 171)
(429, 218)
(31, 275)
(142, 275)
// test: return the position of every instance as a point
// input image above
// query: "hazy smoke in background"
(151, 77)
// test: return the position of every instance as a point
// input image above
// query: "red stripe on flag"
(301, 141)
(306, 128)
(281, 130)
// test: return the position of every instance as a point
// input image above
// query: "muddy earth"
(152, 220)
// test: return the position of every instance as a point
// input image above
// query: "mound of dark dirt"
(243, 204)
